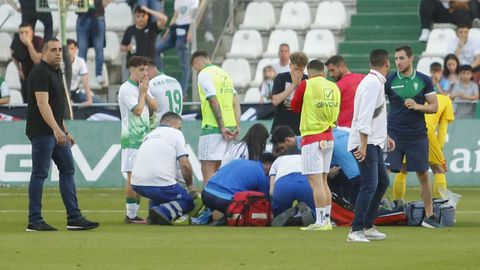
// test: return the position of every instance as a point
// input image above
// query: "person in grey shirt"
(465, 90)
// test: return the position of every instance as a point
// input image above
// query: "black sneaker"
(282, 219)
(219, 222)
(306, 214)
(40, 227)
(157, 217)
(135, 220)
(81, 224)
(430, 223)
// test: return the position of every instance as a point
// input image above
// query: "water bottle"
(133, 42)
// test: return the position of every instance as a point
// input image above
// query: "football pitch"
(119, 246)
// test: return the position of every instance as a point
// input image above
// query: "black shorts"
(416, 153)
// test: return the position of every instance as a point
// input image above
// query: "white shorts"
(212, 147)
(316, 157)
(128, 159)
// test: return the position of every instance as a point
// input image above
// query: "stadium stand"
(6, 40)
(281, 36)
(11, 76)
(438, 41)
(252, 95)
(295, 15)
(423, 64)
(330, 15)
(239, 71)
(320, 44)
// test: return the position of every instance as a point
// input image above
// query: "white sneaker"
(374, 234)
(424, 36)
(209, 37)
(357, 236)
(100, 79)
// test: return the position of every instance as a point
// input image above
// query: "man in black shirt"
(50, 140)
(284, 87)
(139, 39)
(25, 50)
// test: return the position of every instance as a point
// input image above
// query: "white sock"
(320, 216)
(132, 209)
(137, 206)
(328, 212)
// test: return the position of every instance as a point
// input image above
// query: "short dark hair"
(267, 158)
(335, 60)
(465, 68)
(136, 61)
(199, 53)
(139, 9)
(462, 26)
(47, 41)
(316, 65)
(378, 57)
(408, 50)
(284, 45)
(169, 117)
(280, 133)
(26, 24)
(435, 66)
(71, 41)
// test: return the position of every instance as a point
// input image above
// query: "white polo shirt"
(238, 151)
(156, 163)
(285, 165)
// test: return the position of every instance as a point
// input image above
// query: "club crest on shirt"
(415, 85)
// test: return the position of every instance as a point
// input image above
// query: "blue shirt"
(405, 124)
(238, 175)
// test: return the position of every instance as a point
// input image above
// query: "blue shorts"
(415, 152)
(214, 202)
(341, 156)
(290, 188)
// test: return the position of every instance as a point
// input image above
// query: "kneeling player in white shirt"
(166, 90)
(153, 175)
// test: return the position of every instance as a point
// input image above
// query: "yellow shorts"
(435, 154)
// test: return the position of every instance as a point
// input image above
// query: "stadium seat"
(6, 40)
(71, 21)
(423, 64)
(320, 43)
(15, 96)
(91, 75)
(12, 23)
(118, 16)
(252, 95)
(278, 37)
(330, 15)
(259, 72)
(11, 76)
(239, 71)
(474, 34)
(294, 15)
(259, 16)
(438, 41)
(111, 50)
(246, 44)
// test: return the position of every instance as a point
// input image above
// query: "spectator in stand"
(465, 90)
(283, 59)
(4, 92)
(459, 12)
(91, 27)
(82, 95)
(267, 84)
(436, 76)
(139, 39)
(250, 147)
(450, 72)
(26, 50)
(157, 5)
(283, 90)
(178, 36)
(30, 15)
(467, 50)
(347, 82)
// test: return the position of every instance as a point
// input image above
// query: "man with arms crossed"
(319, 102)
(408, 90)
(367, 141)
(220, 113)
(50, 140)
(153, 175)
(136, 107)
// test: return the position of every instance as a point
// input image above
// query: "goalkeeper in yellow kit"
(437, 126)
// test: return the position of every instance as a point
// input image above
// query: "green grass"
(118, 246)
